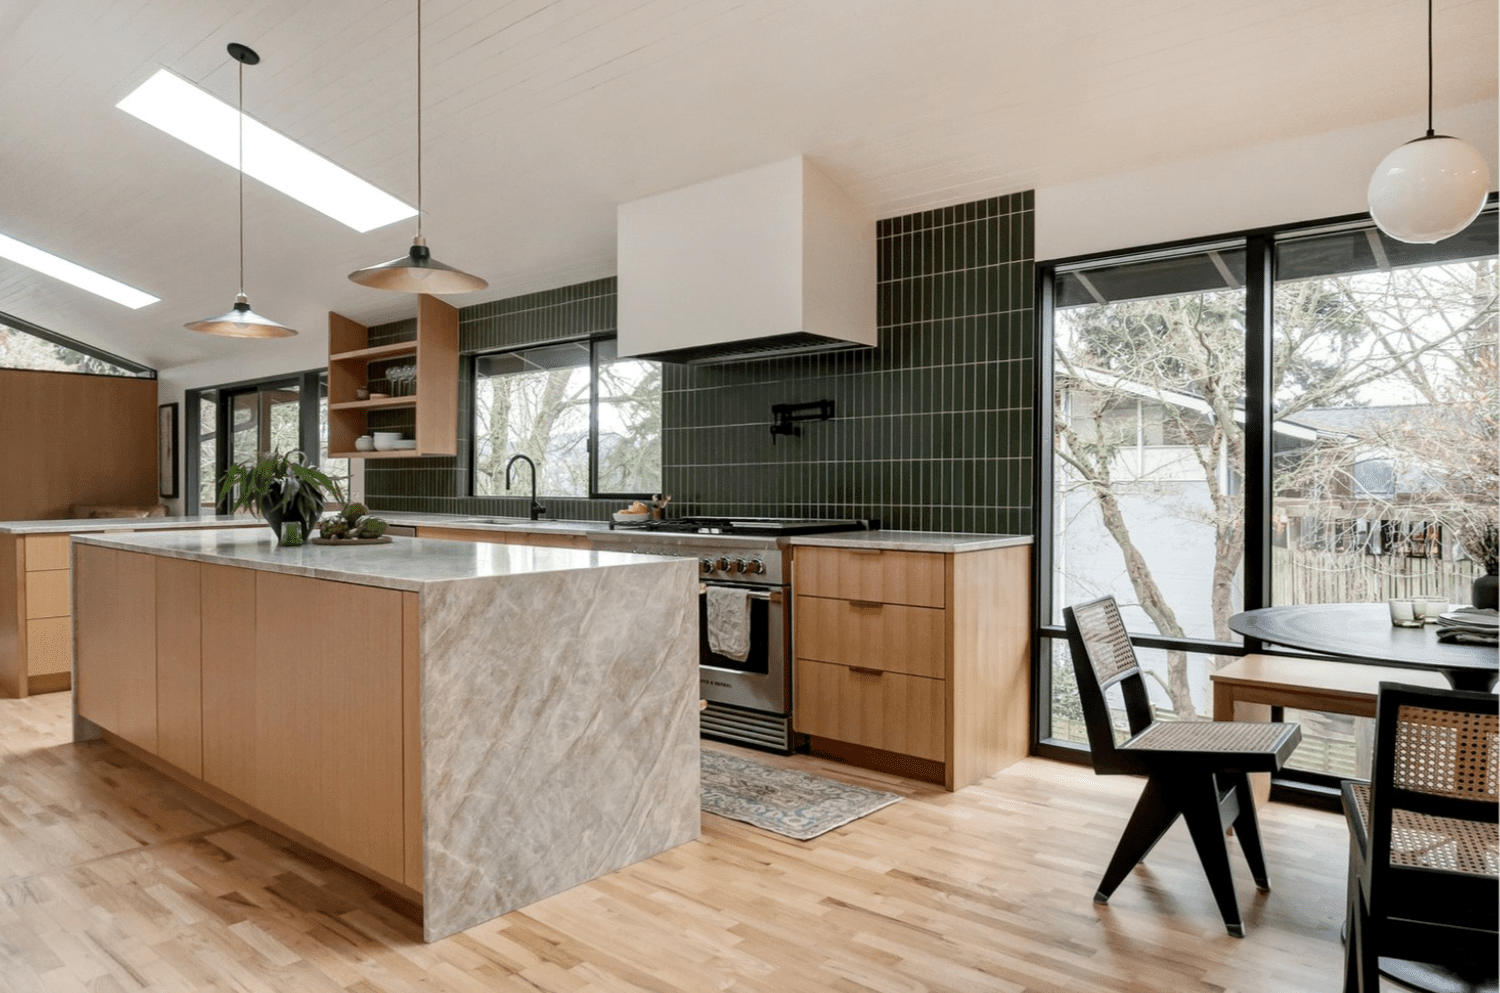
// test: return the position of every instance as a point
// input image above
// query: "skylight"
(185, 112)
(71, 272)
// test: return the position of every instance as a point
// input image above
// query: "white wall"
(1300, 179)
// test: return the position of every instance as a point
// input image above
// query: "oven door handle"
(774, 596)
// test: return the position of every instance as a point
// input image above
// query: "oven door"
(762, 681)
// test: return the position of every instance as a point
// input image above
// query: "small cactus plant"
(354, 511)
(333, 527)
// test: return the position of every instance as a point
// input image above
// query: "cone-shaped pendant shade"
(241, 322)
(417, 272)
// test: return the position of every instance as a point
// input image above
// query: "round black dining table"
(1364, 632)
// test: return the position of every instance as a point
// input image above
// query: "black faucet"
(537, 510)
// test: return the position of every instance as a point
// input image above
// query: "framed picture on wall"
(166, 449)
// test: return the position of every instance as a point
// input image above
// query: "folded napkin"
(1470, 626)
(729, 622)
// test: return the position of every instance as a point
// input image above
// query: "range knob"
(756, 566)
(740, 565)
(721, 564)
(706, 564)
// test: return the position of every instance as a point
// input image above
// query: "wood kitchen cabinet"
(915, 662)
(119, 589)
(433, 402)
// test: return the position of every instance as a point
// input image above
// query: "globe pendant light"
(417, 271)
(241, 321)
(1431, 187)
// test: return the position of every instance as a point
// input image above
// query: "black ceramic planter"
(1486, 592)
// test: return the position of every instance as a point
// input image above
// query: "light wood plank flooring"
(113, 878)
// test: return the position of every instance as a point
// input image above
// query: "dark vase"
(1486, 592)
(276, 518)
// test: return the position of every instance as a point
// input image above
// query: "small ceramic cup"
(1404, 613)
(364, 443)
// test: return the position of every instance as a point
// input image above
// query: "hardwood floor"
(113, 878)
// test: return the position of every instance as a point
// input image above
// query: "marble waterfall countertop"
(83, 525)
(404, 564)
(555, 722)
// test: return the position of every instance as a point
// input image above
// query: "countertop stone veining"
(404, 564)
(90, 525)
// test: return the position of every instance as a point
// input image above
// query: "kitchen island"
(475, 726)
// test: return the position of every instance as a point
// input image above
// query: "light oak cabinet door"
(915, 578)
(116, 620)
(875, 635)
(886, 710)
(328, 699)
(227, 619)
(179, 664)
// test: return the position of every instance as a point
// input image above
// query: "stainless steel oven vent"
(746, 727)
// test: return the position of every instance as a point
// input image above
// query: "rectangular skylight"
(210, 125)
(71, 272)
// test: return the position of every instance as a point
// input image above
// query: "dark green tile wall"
(932, 429)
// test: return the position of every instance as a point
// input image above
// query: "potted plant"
(279, 487)
(1481, 540)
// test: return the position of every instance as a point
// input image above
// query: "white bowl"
(625, 518)
(387, 435)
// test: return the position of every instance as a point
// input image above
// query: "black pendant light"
(241, 321)
(417, 271)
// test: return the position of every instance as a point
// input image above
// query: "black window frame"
(1260, 278)
(308, 383)
(472, 377)
(136, 370)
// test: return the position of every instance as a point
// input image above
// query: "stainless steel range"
(749, 702)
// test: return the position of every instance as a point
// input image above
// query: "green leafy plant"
(279, 482)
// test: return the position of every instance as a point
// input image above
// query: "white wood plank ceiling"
(543, 115)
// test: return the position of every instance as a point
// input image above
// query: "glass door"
(259, 419)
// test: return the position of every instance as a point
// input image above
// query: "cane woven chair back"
(1103, 657)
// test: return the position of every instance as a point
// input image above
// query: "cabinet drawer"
(462, 534)
(888, 636)
(49, 646)
(50, 593)
(46, 551)
(913, 578)
(886, 710)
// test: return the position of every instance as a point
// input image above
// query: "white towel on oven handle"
(729, 622)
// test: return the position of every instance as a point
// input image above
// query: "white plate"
(403, 444)
(1472, 618)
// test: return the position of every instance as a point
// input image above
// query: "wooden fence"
(1302, 575)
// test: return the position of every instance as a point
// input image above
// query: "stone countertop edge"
(84, 525)
(903, 541)
(911, 541)
(421, 564)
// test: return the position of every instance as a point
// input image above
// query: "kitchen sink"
(523, 522)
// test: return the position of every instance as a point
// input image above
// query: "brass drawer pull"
(871, 604)
(866, 671)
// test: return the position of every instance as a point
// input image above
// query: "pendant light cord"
(242, 178)
(419, 118)
(1429, 69)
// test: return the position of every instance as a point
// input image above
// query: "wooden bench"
(1247, 688)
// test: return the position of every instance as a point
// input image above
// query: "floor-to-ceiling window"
(1376, 405)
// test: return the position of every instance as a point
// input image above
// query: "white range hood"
(771, 261)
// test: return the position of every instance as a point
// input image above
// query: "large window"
(588, 419)
(1379, 364)
(24, 345)
(240, 421)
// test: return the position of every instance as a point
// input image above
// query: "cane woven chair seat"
(1429, 842)
(1211, 736)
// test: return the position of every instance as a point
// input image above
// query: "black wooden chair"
(1195, 769)
(1422, 839)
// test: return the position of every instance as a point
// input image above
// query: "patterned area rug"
(790, 803)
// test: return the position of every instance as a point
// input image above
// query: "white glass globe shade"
(1429, 189)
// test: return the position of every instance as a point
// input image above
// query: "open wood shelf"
(375, 402)
(373, 454)
(392, 351)
(434, 402)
